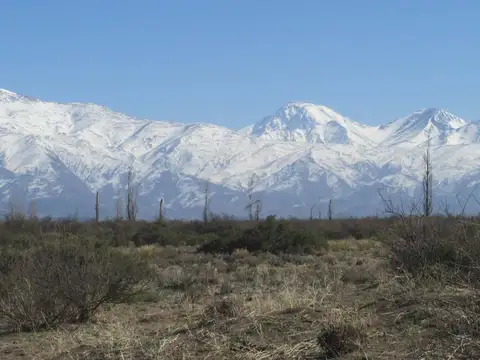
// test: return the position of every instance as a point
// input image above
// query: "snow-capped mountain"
(61, 154)
(304, 122)
(417, 127)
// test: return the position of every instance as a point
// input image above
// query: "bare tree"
(258, 209)
(427, 183)
(97, 208)
(75, 215)
(446, 208)
(118, 207)
(32, 209)
(132, 193)
(330, 210)
(16, 209)
(254, 207)
(12, 209)
(251, 203)
(311, 210)
(206, 203)
(161, 213)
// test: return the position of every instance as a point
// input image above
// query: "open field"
(340, 299)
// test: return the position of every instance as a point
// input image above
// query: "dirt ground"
(344, 304)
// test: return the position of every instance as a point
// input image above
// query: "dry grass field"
(347, 300)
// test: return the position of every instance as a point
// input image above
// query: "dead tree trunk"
(206, 205)
(118, 207)
(132, 192)
(330, 210)
(427, 183)
(32, 212)
(97, 208)
(311, 211)
(258, 209)
(161, 211)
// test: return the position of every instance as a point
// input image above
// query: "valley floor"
(343, 304)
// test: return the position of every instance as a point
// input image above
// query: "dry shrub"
(271, 236)
(422, 245)
(342, 334)
(176, 278)
(65, 281)
(117, 335)
(222, 308)
(192, 233)
(453, 310)
(359, 275)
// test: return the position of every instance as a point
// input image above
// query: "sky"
(232, 62)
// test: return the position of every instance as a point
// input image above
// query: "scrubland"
(396, 288)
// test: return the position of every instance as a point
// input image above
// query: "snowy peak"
(296, 116)
(415, 129)
(310, 113)
(7, 96)
(300, 122)
(439, 118)
(306, 122)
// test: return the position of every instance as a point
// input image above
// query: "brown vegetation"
(400, 288)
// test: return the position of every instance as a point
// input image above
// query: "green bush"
(151, 233)
(65, 280)
(215, 244)
(271, 236)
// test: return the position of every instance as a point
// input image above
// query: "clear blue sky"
(231, 62)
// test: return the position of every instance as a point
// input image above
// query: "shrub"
(222, 308)
(65, 280)
(339, 338)
(150, 233)
(215, 244)
(421, 245)
(268, 236)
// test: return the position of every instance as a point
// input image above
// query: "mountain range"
(299, 157)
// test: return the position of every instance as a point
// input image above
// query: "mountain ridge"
(47, 147)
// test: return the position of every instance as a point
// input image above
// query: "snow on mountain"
(468, 134)
(61, 154)
(418, 127)
(310, 123)
(7, 96)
